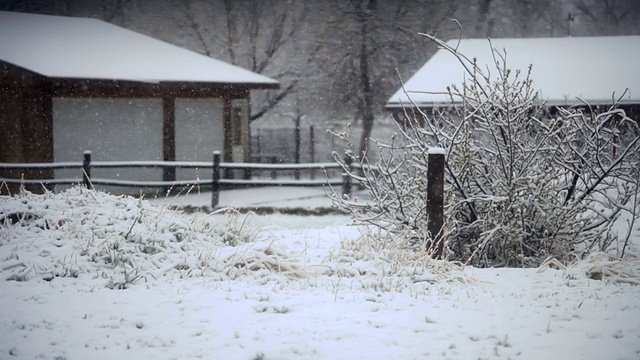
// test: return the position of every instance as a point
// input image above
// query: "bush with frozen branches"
(522, 182)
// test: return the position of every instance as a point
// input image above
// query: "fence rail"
(170, 164)
(216, 182)
(435, 180)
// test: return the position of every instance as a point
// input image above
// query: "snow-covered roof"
(564, 69)
(82, 48)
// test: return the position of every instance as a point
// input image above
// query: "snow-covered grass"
(86, 275)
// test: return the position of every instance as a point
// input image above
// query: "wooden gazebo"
(44, 58)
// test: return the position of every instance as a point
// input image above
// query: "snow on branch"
(524, 182)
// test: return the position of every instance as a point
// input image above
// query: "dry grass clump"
(601, 266)
(383, 261)
(271, 259)
(125, 240)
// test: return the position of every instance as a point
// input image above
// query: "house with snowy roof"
(73, 84)
(566, 71)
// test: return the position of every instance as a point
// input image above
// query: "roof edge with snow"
(83, 48)
(566, 71)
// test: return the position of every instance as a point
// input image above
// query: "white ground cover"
(86, 275)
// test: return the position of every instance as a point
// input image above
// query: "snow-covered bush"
(125, 241)
(523, 182)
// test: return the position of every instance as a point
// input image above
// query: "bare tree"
(483, 17)
(111, 10)
(107, 10)
(547, 17)
(365, 43)
(610, 17)
(515, 18)
(34, 6)
(260, 36)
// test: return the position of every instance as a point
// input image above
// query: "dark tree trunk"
(367, 102)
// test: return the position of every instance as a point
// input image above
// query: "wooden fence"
(435, 180)
(216, 181)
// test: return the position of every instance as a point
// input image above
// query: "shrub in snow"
(600, 266)
(382, 263)
(522, 183)
(125, 240)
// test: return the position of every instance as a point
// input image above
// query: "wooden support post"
(296, 173)
(258, 138)
(227, 148)
(435, 200)
(215, 187)
(312, 149)
(346, 178)
(168, 137)
(86, 169)
(273, 172)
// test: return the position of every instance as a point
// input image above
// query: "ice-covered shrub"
(523, 181)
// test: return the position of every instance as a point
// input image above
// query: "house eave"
(546, 103)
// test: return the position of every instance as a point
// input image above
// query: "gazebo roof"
(565, 70)
(83, 48)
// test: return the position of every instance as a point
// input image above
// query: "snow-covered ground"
(275, 197)
(85, 275)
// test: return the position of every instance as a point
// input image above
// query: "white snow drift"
(233, 286)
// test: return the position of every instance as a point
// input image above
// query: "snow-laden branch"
(522, 181)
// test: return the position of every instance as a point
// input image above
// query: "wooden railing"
(216, 180)
(435, 179)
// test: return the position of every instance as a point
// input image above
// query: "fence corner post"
(86, 169)
(346, 177)
(312, 149)
(215, 187)
(435, 200)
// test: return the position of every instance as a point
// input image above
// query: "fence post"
(435, 200)
(296, 135)
(312, 149)
(346, 178)
(86, 169)
(215, 187)
(273, 171)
